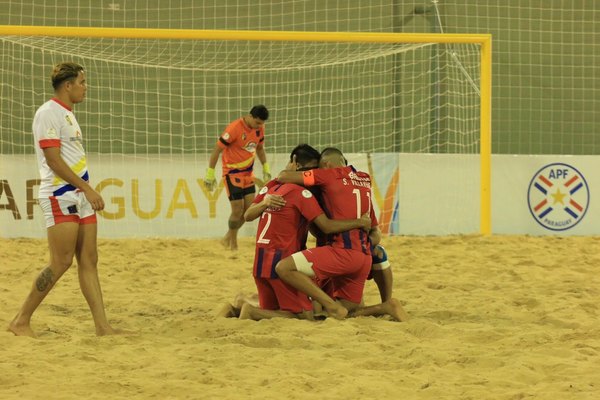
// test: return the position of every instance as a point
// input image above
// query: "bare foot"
(225, 242)
(229, 311)
(318, 311)
(336, 311)
(307, 315)
(246, 311)
(112, 331)
(393, 308)
(20, 329)
(229, 243)
(241, 298)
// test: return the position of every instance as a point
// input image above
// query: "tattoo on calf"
(44, 280)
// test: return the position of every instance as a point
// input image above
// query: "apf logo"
(558, 197)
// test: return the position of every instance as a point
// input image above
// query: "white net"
(164, 103)
(173, 97)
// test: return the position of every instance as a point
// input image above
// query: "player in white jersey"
(68, 201)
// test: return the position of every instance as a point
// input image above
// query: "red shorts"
(345, 271)
(274, 294)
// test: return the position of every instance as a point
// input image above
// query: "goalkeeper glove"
(209, 180)
(266, 172)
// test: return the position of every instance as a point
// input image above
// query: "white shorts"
(303, 265)
(71, 206)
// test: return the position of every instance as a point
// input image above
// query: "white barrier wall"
(414, 194)
(144, 196)
(439, 194)
(535, 195)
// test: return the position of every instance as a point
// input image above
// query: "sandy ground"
(506, 317)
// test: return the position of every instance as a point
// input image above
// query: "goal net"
(408, 113)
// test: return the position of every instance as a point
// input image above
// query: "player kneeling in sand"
(381, 273)
(285, 212)
(344, 265)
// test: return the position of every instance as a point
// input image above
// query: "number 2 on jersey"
(261, 237)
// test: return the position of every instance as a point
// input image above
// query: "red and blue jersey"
(346, 194)
(283, 231)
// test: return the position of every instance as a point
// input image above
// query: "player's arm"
(375, 232)
(214, 156)
(262, 156)
(209, 179)
(63, 171)
(328, 226)
(314, 230)
(256, 209)
(374, 235)
(296, 177)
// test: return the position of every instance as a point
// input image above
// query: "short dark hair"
(260, 111)
(305, 154)
(334, 150)
(66, 71)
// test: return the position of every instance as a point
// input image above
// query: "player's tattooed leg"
(44, 280)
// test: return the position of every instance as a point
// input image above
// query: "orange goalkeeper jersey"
(239, 143)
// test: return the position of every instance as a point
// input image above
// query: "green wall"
(546, 89)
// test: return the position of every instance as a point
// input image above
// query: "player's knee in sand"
(249, 311)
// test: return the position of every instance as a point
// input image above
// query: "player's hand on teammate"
(365, 222)
(274, 201)
(209, 179)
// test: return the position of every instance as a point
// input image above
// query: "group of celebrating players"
(317, 192)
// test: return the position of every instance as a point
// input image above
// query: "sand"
(504, 317)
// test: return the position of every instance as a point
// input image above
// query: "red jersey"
(346, 194)
(239, 143)
(263, 191)
(282, 232)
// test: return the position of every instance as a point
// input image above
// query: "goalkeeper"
(240, 143)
